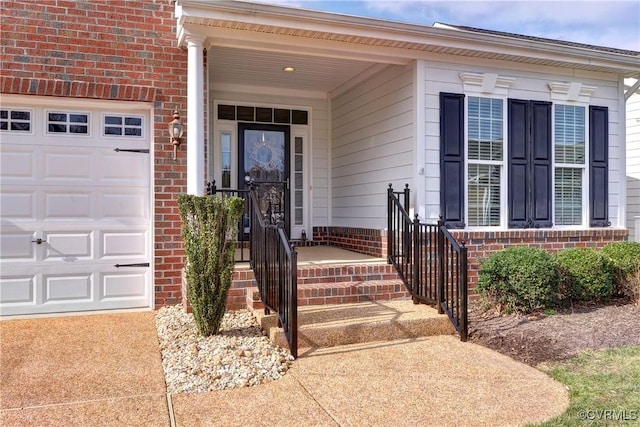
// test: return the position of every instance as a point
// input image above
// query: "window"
(569, 163)
(15, 120)
(116, 125)
(298, 180)
(225, 158)
(485, 147)
(531, 178)
(74, 123)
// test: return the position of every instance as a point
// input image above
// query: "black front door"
(264, 160)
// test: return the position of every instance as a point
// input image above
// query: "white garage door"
(75, 208)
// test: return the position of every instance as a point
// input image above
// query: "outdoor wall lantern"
(176, 129)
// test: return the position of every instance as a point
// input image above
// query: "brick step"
(340, 293)
(362, 322)
(321, 284)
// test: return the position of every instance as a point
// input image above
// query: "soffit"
(255, 23)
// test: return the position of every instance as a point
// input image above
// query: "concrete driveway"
(106, 370)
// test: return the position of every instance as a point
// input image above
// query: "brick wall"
(480, 245)
(366, 241)
(118, 50)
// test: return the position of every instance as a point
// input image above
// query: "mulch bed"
(539, 338)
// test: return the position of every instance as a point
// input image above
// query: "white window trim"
(89, 123)
(584, 167)
(32, 121)
(504, 207)
(103, 116)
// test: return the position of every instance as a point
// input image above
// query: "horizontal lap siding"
(372, 146)
(531, 84)
(633, 164)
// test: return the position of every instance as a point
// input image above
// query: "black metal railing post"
(441, 269)
(390, 231)
(417, 247)
(464, 317)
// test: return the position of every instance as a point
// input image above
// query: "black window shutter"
(541, 164)
(598, 166)
(518, 172)
(530, 163)
(452, 159)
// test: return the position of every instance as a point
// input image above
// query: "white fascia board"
(314, 21)
(225, 37)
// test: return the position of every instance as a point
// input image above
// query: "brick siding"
(480, 244)
(115, 50)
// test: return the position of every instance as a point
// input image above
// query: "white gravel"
(239, 356)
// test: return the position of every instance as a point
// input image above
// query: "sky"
(603, 23)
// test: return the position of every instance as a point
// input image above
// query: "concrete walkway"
(106, 370)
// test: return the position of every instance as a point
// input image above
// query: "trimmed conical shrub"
(209, 229)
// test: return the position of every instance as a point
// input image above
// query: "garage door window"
(15, 120)
(115, 125)
(73, 123)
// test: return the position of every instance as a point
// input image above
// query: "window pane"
(112, 120)
(57, 117)
(226, 142)
(111, 130)
(20, 115)
(485, 128)
(78, 118)
(133, 121)
(568, 196)
(4, 126)
(57, 128)
(21, 126)
(78, 129)
(569, 137)
(226, 160)
(133, 131)
(484, 195)
(4, 114)
(226, 179)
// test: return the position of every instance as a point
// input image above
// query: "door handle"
(39, 241)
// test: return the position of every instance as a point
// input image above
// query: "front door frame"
(286, 129)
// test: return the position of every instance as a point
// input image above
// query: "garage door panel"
(129, 204)
(17, 246)
(17, 290)
(19, 205)
(70, 206)
(116, 244)
(67, 167)
(124, 168)
(69, 245)
(124, 285)
(17, 165)
(68, 287)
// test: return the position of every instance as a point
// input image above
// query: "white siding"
(633, 166)
(372, 146)
(319, 139)
(529, 84)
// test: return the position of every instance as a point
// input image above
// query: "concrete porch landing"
(320, 255)
(321, 326)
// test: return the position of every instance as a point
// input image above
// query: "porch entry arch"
(264, 158)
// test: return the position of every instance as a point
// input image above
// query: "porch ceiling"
(232, 66)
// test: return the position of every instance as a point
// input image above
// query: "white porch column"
(195, 118)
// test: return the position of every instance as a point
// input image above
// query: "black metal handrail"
(453, 283)
(428, 259)
(274, 263)
(244, 226)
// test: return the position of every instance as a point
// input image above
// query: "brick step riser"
(311, 275)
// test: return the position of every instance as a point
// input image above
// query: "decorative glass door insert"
(264, 161)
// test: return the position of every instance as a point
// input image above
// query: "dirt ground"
(539, 338)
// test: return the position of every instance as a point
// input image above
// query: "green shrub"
(209, 227)
(520, 279)
(586, 274)
(625, 257)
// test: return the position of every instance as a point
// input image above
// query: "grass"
(604, 388)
